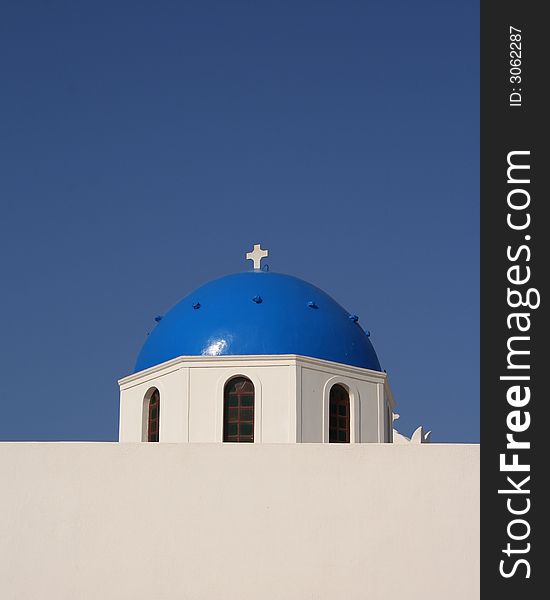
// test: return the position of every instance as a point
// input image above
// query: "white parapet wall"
(239, 521)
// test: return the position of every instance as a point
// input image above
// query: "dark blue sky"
(145, 146)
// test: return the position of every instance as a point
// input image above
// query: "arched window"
(339, 425)
(238, 410)
(153, 417)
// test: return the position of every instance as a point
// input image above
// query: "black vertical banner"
(515, 257)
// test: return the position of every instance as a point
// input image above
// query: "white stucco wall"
(239, 521)
(291, 398)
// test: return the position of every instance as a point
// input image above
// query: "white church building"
(256, 459)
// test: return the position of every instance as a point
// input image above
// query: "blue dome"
(259, 312)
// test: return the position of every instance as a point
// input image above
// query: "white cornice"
(250, 360)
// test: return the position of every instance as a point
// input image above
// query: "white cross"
(256, 255)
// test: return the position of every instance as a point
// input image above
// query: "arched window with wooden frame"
(339, 415)
(152, 406)
(238, 410)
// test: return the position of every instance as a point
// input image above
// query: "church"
(257, 458)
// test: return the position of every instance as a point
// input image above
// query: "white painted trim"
(251, 360)
(298, 404)
(354, 409)
(342, 373)
(187, 415)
